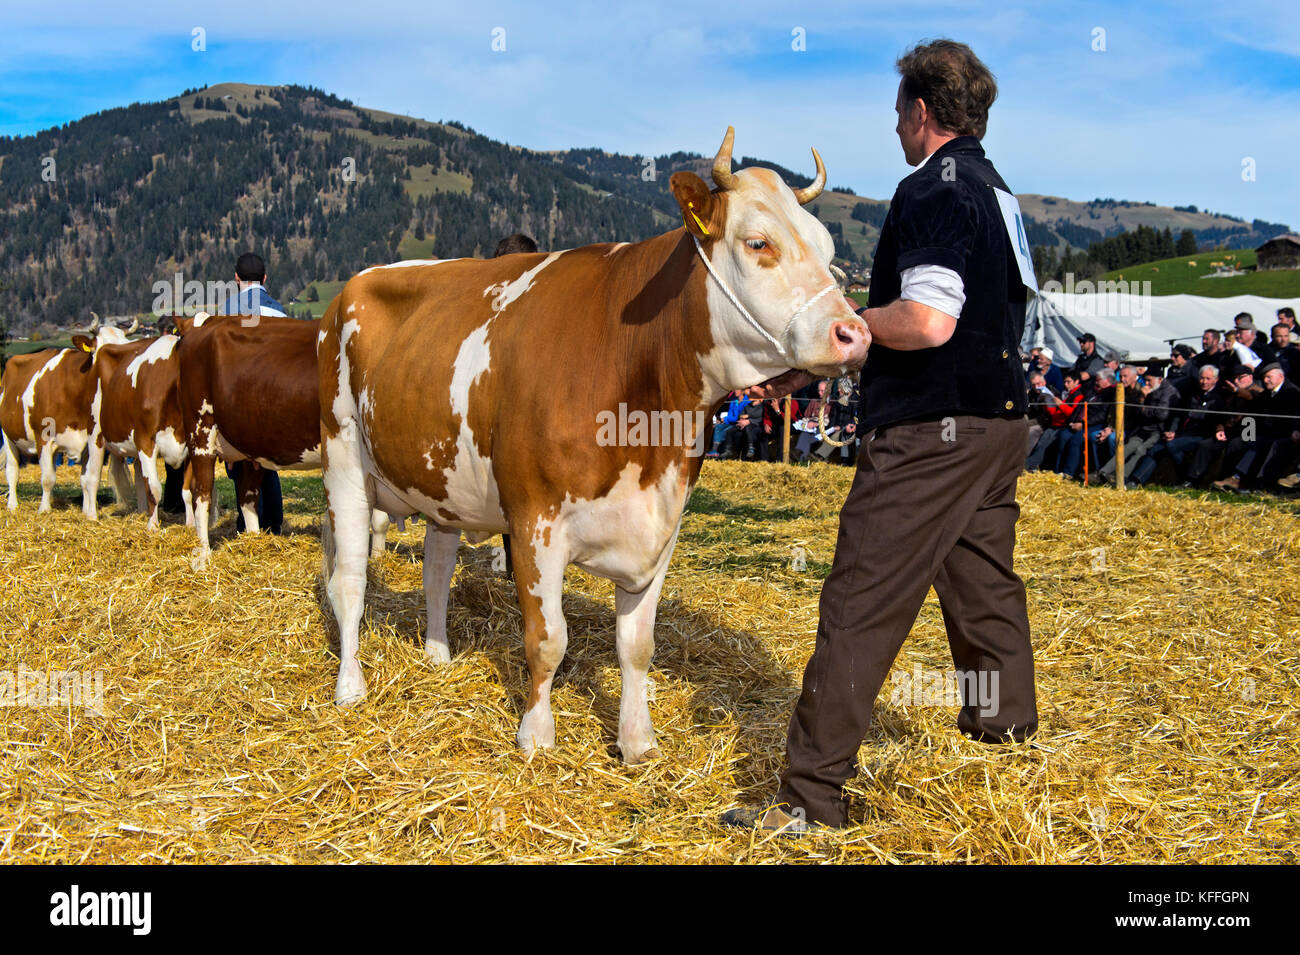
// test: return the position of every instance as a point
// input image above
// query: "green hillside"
(1187, 275)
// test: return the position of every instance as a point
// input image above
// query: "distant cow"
(425, 367)
(139, 416)
(47, 404)
(249, 391)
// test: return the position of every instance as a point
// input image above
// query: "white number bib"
(1014, 221)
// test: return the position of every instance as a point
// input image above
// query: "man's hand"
(1076, 425)
(779, 386)
(1220, 435)
(1103, 434)
(1169, 435)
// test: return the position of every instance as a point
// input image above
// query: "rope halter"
(744, 312)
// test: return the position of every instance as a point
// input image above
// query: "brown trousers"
(932, 503)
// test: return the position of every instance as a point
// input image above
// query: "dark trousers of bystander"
(928, 506)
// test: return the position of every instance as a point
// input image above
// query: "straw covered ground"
(1165, 628)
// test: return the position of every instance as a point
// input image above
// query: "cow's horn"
(722, 176)
(135, 326)
(810, 192)
(94, 326)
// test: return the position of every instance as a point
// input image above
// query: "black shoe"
(773, 818)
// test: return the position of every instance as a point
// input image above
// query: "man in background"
(253, 299)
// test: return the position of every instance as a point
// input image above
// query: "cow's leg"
(92, 466)
(379, 533)
(636, 645)
(349, 502)
(141, 489)
(202, 487)
(149, 466)
(247, 489)
(440, 546)
(47, 475)
(11, 473)
(121, 480)
(187, 491)
(539, 579)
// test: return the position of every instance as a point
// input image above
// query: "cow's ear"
(702, 210)
(82, 342)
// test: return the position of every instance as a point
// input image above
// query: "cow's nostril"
(844, 337)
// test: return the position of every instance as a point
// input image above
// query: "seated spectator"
(1193, 421)
(1182, 366)
(1250, 351)
(1286, 316)
(1266, 430)
(1211, 449)
(1097, 408)
(1148, 415)
(1087, 363)
(1212, 350)
(1040, 362)
(1288, 353)
(1059, 411)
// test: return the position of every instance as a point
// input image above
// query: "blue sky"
(1166, 113)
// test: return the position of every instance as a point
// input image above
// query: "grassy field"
(26, 348)
(1166, 679)
(1183, 275)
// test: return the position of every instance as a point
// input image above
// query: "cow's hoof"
(350, 689)
(437, 652)
(645, 756)
(537, 731)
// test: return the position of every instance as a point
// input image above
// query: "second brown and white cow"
(249, 391)
(426, 366)
(138, 415)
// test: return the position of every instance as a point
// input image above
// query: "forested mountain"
(96, 212)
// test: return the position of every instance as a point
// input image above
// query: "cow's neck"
(660, 299)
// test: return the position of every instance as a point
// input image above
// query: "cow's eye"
(758, 245)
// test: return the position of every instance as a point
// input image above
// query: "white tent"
(1137, 326)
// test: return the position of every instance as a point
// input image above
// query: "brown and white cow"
(139, 415)
(249, 391)
(425, 367)
(47, 404)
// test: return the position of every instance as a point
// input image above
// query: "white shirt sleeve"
(933, 285)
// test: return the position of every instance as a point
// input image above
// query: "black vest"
(945, 213)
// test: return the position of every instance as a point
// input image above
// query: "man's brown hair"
(957, 88)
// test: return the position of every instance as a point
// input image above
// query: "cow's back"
(260, 382)
(511, 361)
(18, 374)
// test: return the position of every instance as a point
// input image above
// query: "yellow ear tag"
(85, 348)
(702, 226)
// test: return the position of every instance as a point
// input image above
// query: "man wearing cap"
(1042, 364)
(943, 442)
(1273, 409)
(1152, 411)
(1087, 363)
(1182, 366)
(1250, 349)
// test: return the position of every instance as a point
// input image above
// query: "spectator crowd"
(1226, 417)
